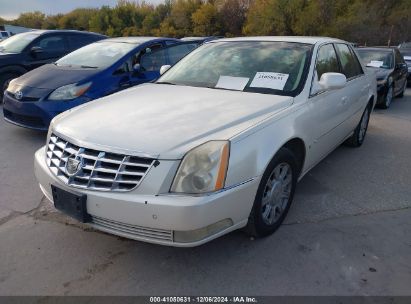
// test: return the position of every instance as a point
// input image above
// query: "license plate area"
(70, 203)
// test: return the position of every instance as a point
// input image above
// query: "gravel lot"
(348, 232)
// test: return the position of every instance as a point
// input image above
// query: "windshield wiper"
(88, 67)
(165, 82)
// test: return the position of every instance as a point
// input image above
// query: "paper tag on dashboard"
(375, 63)
(269, 80)
(232, 83)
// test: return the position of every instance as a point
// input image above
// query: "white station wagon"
(218, 143)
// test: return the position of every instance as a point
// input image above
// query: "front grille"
(97, 170)
(132, 230)
(24, 98)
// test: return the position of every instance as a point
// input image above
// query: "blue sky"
(10, 9)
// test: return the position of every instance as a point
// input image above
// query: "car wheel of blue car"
(4, 83)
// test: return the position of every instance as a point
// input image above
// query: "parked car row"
(95, 70)
(216, 143)
(391, 72)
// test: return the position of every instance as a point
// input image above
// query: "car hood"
(383, 73)
(165, 121)
(50, 76)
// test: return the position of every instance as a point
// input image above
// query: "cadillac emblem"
(74, 165)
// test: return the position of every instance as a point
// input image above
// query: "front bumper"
(35, 114)
(159, 218)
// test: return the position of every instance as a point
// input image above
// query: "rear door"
(357, 87)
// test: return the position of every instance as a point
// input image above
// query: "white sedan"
(218, 143)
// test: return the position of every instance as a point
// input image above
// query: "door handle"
(344, 100)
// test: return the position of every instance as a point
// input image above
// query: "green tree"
(205, 20)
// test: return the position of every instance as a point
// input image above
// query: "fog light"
(202, 233)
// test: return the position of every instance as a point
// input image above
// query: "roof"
(41, 32)
(300, 39)
(134, 40)
(376, 48)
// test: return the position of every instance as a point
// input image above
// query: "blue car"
(94, 71)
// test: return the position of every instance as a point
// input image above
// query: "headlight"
(10, 85)
(203, 169)
(69, 91)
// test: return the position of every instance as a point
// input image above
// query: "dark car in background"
(391, 72)
(405, 50)
(26, 51)
(94, 71)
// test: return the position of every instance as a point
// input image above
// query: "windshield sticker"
(275, 81)
(375, 64)
(232, 83)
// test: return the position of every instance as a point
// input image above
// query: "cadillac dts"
(216, 144)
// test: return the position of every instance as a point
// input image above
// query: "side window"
(176, 52)
(152, 60)
(51, 44)
(349, 63)
(79, 40)
(326, 61)
(398, 57)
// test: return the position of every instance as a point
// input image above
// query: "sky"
(11, 9)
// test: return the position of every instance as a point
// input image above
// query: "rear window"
(349, 63)
(79, 40)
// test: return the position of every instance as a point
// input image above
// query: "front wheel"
(388, 97)
(274, 195)
(4, 83)
(357, 139)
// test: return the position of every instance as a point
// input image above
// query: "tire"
(403, 90)
(274, 195)
(4, 82)
(357, 139)
(389, 96)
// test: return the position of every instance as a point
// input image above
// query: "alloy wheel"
(277, 193)
(389, 96)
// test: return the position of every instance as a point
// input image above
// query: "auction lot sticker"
(275, 81)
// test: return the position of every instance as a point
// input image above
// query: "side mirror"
(36, 50)
(164, 68)
(332, 81)
(401, 66)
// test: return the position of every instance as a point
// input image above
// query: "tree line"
(367, 22)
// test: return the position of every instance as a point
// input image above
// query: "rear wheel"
(403, 89)
(357, 139)
(274, 195)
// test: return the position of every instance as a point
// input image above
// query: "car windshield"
(377, 58)
(97, 55)
(17, 43)
(251, 66)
